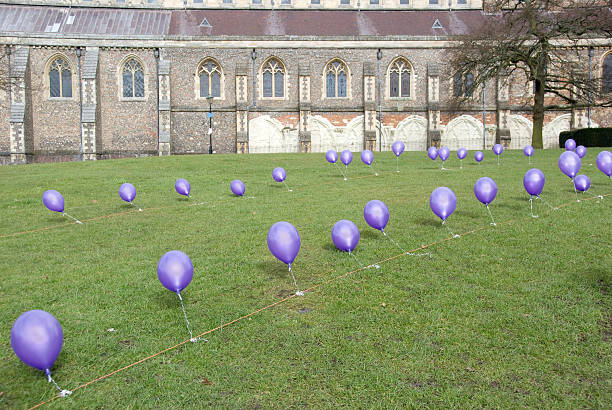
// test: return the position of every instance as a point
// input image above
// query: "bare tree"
(545, 40)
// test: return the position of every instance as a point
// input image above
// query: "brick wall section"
(55, 122)
(126, 126)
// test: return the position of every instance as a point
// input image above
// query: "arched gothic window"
(336, 75)
(210, 78)
(60, 78)
(463, 85)
(400, 72)
(606, 74)
(273, 77)
(133, 79)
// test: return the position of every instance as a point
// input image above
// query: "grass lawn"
(517, 315)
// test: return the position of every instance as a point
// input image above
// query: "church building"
(97, 79)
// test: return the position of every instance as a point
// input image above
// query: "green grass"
(517, 315)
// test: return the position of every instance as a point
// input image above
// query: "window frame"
(120, 78)
(219, 69)
(344, 68)
(282, 68)
(68, 67)
(411, 76)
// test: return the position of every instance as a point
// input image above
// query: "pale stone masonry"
(257, 106)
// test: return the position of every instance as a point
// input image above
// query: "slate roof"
(89, 22)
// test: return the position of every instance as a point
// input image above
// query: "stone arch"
(551, 131)
(521, 130)
(267, 134)
(463, 132)
(322, 134)
(412, 131)
(352, 137)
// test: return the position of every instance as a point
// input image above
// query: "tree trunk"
(538, 115)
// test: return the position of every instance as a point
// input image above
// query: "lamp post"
(210, 117)
(591, 53)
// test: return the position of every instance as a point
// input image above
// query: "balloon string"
(397, 164)
(72, 217)
(461, 163)
(191, 339)
(549, 205)
(575, 191)
(63, 393)
(290, 190)
(491, 215)
(404, 250)
(139, 209)
(299, 292)
(443, 165)
(449, 231)
(372, 169)
(340, 169)
(529, 159)
(357, 260)
(498, 160)
(531, 206)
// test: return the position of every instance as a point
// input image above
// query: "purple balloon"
(528, 150)
(127, 192)
(581, 151)
(345, 235)
(569, 163)
(432, 153)
(443, 202)
(461, 153)
(367, 157)
(443, 153)
(533, 181)
(478, 156)
(284, 242)
(331, 156)
(582, 183)
(237, 187)
(604, 162)
(175, 270)
(570, 145)
(498, 149)
(37, 338)
(346, 157)
(182, 186)
(279, 174)
(485, 190)
(376, 214)
(53, 200)
(398, 148)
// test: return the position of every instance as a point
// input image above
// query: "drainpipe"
(8, 54)
(380, 134)
(484, 117)
(79, 53)
(254, 104)
(156, 55)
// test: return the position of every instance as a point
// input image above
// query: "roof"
(77, 22)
